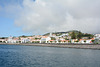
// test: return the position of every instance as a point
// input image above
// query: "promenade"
(81, 46)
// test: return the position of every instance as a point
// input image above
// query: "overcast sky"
(41, 16)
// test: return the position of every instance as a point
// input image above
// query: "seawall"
(81, 46)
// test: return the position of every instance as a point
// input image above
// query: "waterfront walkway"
(82, 46)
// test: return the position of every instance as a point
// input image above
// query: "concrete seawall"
(81, 46)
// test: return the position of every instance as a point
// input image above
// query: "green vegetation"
(0, 41)
(25, 36)
(69, 41)
(60, 33)
(79, 36)
(85, 41)
(50, 41)
(88, 35)
(97, 43)
(77, 41)
(59, 41)
(73, 35)
(66, 38)
(3, 37)
(37, 38)
(35, 42)
(93, 41)
(52, 38)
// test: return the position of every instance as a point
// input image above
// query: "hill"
(59, 33)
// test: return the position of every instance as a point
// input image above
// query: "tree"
(66, 38)
(3, 38)
(93, 41)
(85, 41)
(53, 38)
(88, 35)
(73, 36)
(36, 38)
(24, 36)
(50, 41)
(69, 41)
(79, 36)
(59, 41)
(77, 41)
(64, 41)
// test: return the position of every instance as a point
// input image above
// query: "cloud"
(58, 15)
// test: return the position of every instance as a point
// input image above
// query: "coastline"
(78, 46)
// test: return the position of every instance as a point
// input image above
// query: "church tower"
(50, 34)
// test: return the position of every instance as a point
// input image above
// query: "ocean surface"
(35, 56)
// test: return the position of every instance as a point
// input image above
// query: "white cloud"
(59, 15)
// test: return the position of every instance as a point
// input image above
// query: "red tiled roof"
(51, 40)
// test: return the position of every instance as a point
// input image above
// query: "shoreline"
(77, 46)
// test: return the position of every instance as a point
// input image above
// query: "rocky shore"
(81, 46)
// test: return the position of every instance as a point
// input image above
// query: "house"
(25, 40)
(64, 41)
(88, 41)
(84, 37)
(97, 38)
(51, 41)
(35, 41)
(84, 41)
(45, 39)
(12, 40)
(74, 40)
(37, 36)
(3, 40)
(97, 41)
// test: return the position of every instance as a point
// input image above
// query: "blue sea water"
(35, 56)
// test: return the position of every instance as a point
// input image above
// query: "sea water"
(35, 56)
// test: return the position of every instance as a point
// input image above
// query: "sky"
(36, 17)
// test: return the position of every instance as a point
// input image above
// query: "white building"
(88, 41)
(11, 40)
(45, 39)
(64, 34)
(25, 40)
(97, 36)
(50, 34)
(3, 40)
(85, 41)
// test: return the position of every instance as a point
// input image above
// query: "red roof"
(51, 40)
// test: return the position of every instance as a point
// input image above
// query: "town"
(74, 36)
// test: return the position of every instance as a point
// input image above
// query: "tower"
(50, 34)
